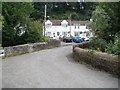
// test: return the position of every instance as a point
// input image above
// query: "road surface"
(52, 68)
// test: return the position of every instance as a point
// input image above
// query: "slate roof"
(58, 22)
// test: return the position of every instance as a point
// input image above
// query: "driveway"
(52, 68)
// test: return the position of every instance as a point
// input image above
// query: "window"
(48, 33)
(76, 34)
(78, 26)
(75, 26)
(64, 33)
(53, 34)
(64, 25)
(58, 33)
(48, 25)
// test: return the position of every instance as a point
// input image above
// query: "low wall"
(103, 61)
(26, 48)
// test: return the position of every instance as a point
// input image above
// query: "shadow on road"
(70, 58)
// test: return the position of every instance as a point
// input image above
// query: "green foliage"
(113, 10)
(0, 37)
(19, 28)
(1, 22)
(113, 47)
(33, 32)
(105, 26)
(100, 22)
(91, 52)
(106, 19)
(98, 44)
(62, 10)
(46, 39)
(15, 12)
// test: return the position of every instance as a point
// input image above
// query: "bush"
(46, 39)
(113, 47)
(34, 32)
(98, 44)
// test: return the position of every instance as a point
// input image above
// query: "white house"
(59, 28)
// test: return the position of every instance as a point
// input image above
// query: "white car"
(86, 39)
(2, 53)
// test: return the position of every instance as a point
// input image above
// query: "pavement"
(52, 68)
(67, 43)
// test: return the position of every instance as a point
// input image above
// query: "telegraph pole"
(45, 19)
(70, 25)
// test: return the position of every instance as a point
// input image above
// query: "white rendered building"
(59, 28)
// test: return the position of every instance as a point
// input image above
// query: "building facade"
(59, 28)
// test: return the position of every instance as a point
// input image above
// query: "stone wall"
(103, 61)
(26, 48)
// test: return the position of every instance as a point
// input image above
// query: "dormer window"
(48, 24)
(64, 23)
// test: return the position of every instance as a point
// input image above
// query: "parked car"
(87, 39)
(2, 53)
(78, 39)
(67, 39)
(90, 38)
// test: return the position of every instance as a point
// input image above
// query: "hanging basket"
(81, 32)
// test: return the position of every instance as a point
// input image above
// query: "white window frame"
(48, 33)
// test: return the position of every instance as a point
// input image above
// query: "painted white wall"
(61, 29)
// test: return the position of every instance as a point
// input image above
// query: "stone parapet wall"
(26, 48)
(103, 61)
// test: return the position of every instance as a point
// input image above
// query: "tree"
(33, 33)
(106, 27)
(105, 20)
(100, 22)
(62, 10)
(113, 10)
(1, 22)
(18, 26)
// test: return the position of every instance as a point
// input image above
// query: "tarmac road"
(52, 68)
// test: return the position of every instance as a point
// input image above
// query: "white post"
(45, 19)
(70, 24)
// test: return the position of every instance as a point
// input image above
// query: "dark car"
(78, 40)
(67, 39)
(2, 53)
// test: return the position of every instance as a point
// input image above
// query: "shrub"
(44, 39)
(113, 47)
(33, 32)
(98, 44)
(91, 52)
